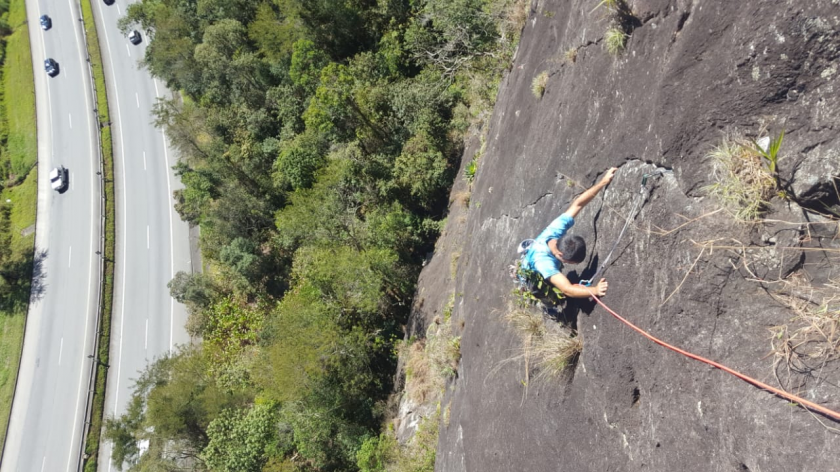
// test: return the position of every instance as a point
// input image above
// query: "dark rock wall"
(691, 71)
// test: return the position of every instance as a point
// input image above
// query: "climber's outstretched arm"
(587, 196)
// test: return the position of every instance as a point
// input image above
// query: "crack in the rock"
(507, 215)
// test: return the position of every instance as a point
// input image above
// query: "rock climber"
(545, 256)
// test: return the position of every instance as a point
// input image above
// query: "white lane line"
(94, 199)
(137, 96)
(147, 236)
(70, 115)
(70, 257)
(171, 243)
(43, 463)
(144, 160)
(171, 231)
(60, 350)
(128, 49)
(118, 10)
(146, 342)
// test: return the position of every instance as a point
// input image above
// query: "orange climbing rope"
(788, 396)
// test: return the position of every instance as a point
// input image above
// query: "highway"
(47, 412)
(45, 431)
(152, 241)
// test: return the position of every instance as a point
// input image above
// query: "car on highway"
(59, 178)
(51, 67)
(46, 22)
(135, 37)
(108, 2)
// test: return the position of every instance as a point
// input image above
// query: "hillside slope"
(692, 73)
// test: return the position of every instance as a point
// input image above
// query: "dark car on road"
(46, 22)
(51, 67)
(59, 179)
(108, 2)
(135, 37)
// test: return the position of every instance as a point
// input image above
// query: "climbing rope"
(781, 393)
(637, 203)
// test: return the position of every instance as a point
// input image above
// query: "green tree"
(307, 62)
(423, 170)
(299, 161)
(197, 290)
(240, 440)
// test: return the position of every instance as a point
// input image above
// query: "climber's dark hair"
(573, 248)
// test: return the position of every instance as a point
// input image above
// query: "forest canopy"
(318, 140)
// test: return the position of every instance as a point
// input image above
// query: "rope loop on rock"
(778, 392)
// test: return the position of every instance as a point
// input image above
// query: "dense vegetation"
(18, 193)
(318, 140)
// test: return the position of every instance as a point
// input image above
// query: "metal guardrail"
(102, 211)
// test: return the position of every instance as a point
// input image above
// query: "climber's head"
(572, 249)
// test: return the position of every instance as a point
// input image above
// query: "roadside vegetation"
(18, 194)
(318, 142)
(97, 406)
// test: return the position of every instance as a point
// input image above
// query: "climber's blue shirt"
(539, 257)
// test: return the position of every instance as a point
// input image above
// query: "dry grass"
(551, 350)
(453, 264)
(526, 323)
(539, 83)
(555, 351)
(811, 339)
(744, 185)
(571, 55)
(420, 383)
(462, 197)
(514, 15)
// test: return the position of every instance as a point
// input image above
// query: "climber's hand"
(601, 288)
(607, 178)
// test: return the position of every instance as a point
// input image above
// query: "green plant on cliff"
(614, 40)
(538, 84)
(771, 152)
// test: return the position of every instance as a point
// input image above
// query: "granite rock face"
(692, 72)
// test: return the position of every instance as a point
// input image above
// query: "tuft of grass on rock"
(743, 185)
(555, 351)
(539, 83)
(614, 40)
(571, 55)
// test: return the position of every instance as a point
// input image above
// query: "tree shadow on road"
(23, 281)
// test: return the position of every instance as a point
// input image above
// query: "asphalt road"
(152, 241)
(47, 413)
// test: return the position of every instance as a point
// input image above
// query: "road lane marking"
(147, 236)
(60, 350)
(70, 257)
(146, 342)
(70, 115)
(144, 160)
(157, 94)
(171, 243)
(128, 49)
(43, 463)
(119, 12)
(137, 96)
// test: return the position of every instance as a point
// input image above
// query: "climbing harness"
(781, 393)
(640, 197)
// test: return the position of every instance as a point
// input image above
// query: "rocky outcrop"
(686, 271)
